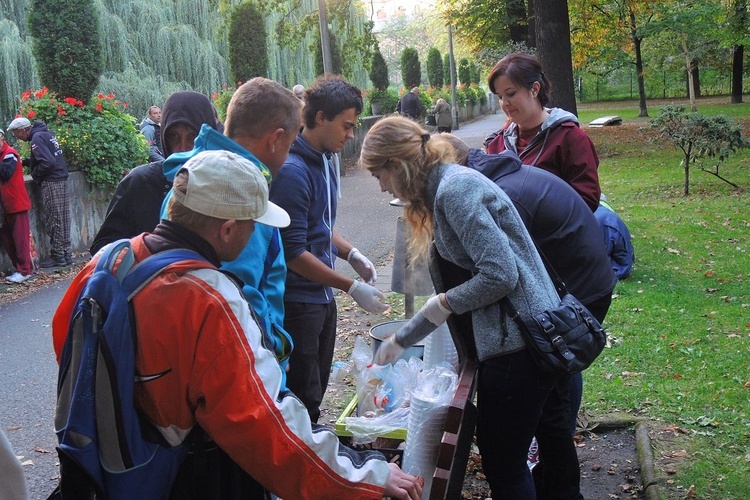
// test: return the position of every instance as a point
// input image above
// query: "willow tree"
(69, 57)
(317, 51)
(248, 57)
(17, 63)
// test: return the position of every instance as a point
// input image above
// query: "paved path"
(29, 373)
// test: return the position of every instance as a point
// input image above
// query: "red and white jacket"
(201, 357)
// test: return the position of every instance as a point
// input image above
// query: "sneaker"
(532, 459)
(17, 277)
(50, 263)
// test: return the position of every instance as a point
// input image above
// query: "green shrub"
(447, 70)
(464, 71)
(411, 69)
(99, 137)
(388, 100)
(222, 97)
(247, 52)
(67, 46)
(435, 68)
(379, 70)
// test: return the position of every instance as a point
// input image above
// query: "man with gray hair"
(203, 364)
(409, 105)
(50, 171)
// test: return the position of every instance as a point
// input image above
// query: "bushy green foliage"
(447, 70)
(98, 137)
(700, 137)
(388, 99)
(248, 56)
(411, 69)
(435, 67)
(67, 46)
(464, 71)
(317, 50)
(221, 99)
(474, 74)
(379, 70)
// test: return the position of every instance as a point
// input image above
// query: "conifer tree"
(379, 70)
(411, 69)
(248, 56)
(67, 46)
(435, 67)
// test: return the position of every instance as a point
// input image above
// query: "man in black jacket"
(409, 105)
(136, 205)
(50, 171)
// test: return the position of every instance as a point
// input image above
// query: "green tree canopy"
(464, 71)
(411, 69)
(435, 68)
(67, 46)
(248, 56)
(379, 70)
(317, 50)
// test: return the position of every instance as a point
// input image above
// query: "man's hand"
(388, 352)
(362, 265)
(403, 486)
(368, 297)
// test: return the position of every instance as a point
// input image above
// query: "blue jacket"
(261, 265)
(617, 239)
(307, 188)
(558, 219)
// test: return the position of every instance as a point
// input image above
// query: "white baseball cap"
(226, 186)
(19, 122)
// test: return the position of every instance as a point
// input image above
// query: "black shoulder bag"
(565, 339)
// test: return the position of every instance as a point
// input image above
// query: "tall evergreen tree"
(67, 46)
(411, 69)
(248, 56)
(379, 70)
(447, 70)
(435, 68)
(336, 63)
(464, 71)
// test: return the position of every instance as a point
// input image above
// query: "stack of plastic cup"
(439, 348)
(424, 432)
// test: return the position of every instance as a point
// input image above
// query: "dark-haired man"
(308, 189)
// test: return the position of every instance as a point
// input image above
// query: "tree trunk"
(553, 43)
(690, 82)
(686, 189)
(738, 56)
(695, 76)
(531, 41)
(519, 28)
(642, 109)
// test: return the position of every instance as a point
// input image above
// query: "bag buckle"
(546, 324)
(562, 347)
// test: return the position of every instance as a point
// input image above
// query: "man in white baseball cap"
(207, 365)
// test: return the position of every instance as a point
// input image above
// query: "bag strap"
(134, 277)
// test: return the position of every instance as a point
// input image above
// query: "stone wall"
(88, 206)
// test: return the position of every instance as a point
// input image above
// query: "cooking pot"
(383, 330)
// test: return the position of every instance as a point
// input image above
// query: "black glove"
(25, 162)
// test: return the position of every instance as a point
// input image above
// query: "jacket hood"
(494, 166)
(308, 153)
(558, 116)
(190, 108)
(210, 140)
(38, 127)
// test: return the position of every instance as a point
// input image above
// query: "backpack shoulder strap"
(131, 276)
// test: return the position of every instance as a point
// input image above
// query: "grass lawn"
(680, 325)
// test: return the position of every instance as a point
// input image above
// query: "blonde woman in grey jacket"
(475, 226)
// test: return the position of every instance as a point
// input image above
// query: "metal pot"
(383, 330)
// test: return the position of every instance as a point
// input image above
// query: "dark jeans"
(516, 401)
(313, 330)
